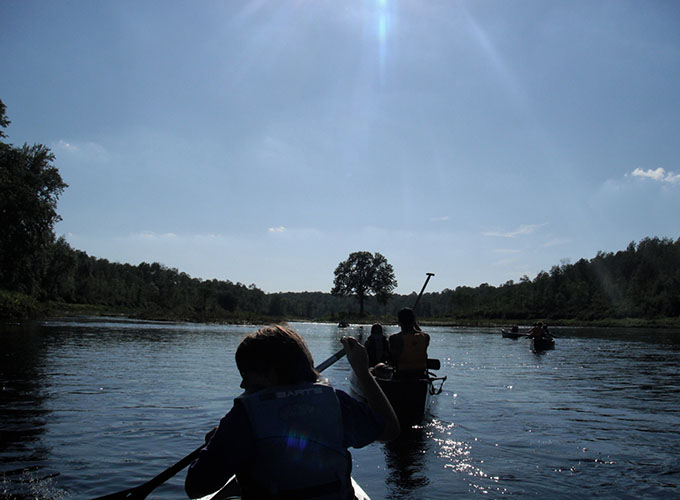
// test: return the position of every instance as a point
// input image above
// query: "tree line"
(641, 282)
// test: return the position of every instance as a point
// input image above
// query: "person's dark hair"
(406, 317)
(277, 347)
(377, 329)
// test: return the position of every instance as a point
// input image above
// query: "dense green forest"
(640, 282)
(42, 274)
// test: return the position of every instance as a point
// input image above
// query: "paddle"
(325, 364)
(429, 275)
(142, 491)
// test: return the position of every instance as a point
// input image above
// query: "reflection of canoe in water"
(544, 343)
(409, 397)
(507, 334)
(231, 491)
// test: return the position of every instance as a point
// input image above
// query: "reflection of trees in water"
(22, 412)
(405, 459)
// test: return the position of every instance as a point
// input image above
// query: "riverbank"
(17, 307)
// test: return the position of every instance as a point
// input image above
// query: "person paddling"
(408, 347)
(287, 435)
(537, 331)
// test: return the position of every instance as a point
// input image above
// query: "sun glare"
(382, 27)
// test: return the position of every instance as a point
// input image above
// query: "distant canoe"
(544, 343)
(343, 324)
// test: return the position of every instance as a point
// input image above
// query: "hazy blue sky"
(263, 141)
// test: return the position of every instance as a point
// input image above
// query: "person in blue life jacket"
(408, 347)
(288, 434)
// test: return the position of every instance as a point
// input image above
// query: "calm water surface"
(92, 406)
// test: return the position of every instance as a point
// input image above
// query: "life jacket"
(298, 445)
(414, 353)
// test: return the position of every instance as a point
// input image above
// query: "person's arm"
(228, 446)
(375, 397)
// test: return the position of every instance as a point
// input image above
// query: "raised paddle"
(142, 491)
(429, 275)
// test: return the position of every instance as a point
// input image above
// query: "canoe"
(507, 334)
(544, 343)
(230, 491)
(410, 398)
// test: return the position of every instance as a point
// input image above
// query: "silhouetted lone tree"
(364, 274)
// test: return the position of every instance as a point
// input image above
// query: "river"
(90, 406)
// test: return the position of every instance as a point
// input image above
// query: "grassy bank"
(503, 323)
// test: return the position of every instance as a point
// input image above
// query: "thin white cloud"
(280, 229)
(659, 175)
(522, 230)
(506, 250)
(443, 218)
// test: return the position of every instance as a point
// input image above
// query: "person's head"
(377, 329)
(276, 354)
(407, 318)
